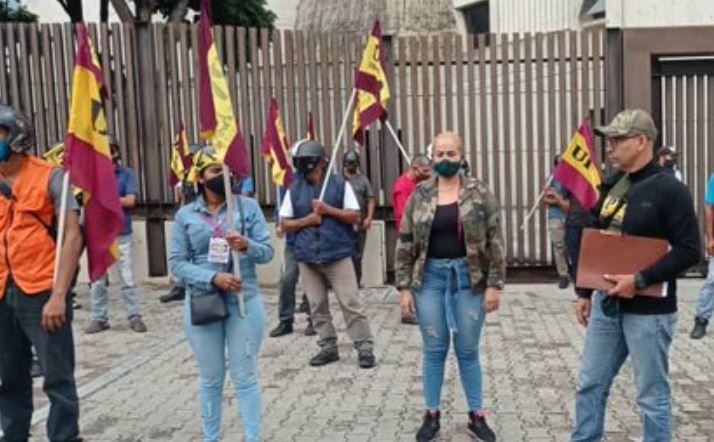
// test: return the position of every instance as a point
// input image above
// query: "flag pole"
(61, 223)
(396, 140)
(231, 226)
(337, 144)
(537, 203)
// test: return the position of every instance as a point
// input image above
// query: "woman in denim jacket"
(450, 268)
(196, 225)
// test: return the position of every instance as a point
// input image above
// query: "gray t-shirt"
(55, 189)
(363, 191)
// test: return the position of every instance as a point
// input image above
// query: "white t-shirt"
(349, 202)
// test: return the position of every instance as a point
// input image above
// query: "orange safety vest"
(27, 251)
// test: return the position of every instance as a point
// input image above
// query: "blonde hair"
(453, 136)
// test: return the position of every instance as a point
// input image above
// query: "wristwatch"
(640, 282)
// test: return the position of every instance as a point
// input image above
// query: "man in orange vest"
(34, 310)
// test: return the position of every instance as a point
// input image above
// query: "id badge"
(218, 251)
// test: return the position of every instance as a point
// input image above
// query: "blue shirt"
(188, 251)
(710, 191)
(555, 212)
(126, 184)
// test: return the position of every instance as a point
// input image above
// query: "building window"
(476, 17)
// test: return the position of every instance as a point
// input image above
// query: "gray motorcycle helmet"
(22, 134)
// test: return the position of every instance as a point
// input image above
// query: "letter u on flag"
(275, 147)
(371, 85)
(578, 170)
(181, 160)
(88, 160)
(218, 123)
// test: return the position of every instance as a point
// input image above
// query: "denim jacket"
(188, 256)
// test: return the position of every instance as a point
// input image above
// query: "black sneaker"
(563, 282)
(478, 429)
(284, 328)
(410, 320)
(176, 294)
(700, 328)
(366, 359)
(326, 356)
(430, 427)
(310, 329)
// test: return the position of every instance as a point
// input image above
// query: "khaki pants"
(341, 277)
(557, 239)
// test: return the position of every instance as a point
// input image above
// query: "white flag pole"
(396, 140)
(231, 226)
(338, 143)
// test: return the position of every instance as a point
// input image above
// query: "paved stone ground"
(145, 387)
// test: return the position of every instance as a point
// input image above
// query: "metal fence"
(515, 98)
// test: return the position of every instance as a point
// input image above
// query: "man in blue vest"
(324, 245)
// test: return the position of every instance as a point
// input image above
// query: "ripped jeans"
(242, 338)
(447, 307)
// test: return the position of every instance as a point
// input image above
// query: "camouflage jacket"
(479, 213)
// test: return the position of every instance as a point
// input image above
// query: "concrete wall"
(373, 265)
(659, 13)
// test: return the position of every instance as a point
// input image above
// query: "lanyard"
(217, 227)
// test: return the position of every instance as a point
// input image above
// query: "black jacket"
(660, 207)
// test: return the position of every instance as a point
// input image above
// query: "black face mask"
(216, 185)
(307, 165)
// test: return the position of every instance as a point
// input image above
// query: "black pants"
(359, 251)
(20, 330)
(288, 281)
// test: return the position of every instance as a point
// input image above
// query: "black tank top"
(444, 239)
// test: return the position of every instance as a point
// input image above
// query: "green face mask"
(447, 168)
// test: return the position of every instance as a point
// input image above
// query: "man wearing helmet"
(126, 184)
(324, 245)
(34, 311)
(365, 196)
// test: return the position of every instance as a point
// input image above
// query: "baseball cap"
(629, 122)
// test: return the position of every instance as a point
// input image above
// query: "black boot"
(176, 294)
(430, 427)
(284, 328)
(477, 428)
(700, 328)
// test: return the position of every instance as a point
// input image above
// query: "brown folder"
(603, 253)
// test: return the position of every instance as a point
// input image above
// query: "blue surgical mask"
(4, 150)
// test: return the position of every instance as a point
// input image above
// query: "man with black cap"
(34, 309)
(128, 191)
(645, 201)
(667, 157)
(324, 245)
(367, 202)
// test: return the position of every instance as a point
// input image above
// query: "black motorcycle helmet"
(307, 154)
(351, 157)
(22, 134)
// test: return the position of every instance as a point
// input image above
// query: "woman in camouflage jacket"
(450, 268)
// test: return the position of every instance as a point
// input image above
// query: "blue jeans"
(446, 305)
(242, 338)
(98, 292)
(706, 296)
(608, 342)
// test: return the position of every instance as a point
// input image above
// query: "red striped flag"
(578, 170)
(88, 160)
(275, 147)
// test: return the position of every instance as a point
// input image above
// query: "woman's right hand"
(407, 301)
(227, 282)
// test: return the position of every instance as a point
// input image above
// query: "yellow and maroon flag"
(310, 127)
(218, 122)
(275, 147)
(578, 169)
(181, 160)
(88, 160)
(371, 85)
